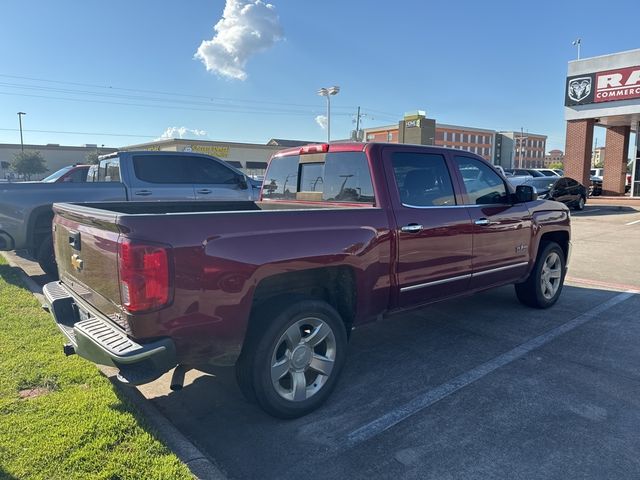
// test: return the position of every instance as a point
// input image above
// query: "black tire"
(530, 292)
(46, 258)
(267, 342)
(580, 203)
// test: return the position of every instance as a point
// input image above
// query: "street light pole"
(577, 42)
(20, 114)
(327, 92)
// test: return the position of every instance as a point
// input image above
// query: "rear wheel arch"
(334, 285)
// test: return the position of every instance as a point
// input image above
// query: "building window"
(444, 136)
(389, 136)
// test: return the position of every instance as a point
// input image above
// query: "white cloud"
(180, 132)
(246, 28)
(322, 121)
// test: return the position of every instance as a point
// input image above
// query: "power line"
(123, 135)
(82, 133)
(158, 92)
(171, 107)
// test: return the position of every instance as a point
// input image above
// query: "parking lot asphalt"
(481, 387)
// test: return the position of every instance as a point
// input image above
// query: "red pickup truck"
(343, 234)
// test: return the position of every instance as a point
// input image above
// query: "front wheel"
(293, 357)
(543, 286)
(580, 203)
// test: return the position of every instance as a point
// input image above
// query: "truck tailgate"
(86, 248)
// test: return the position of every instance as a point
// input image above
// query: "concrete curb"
(199, 464)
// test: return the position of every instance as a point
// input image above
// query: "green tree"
(556, 166)
(28, 163)
(91, 158)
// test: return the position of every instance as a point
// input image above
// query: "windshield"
(55, 176)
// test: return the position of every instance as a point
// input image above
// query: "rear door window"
(161, 169)
(423, 179)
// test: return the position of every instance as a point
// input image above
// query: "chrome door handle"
(411, 228)
(483, 222)
(143, 193)
(203, 190)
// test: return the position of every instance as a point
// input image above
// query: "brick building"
(520, 149)
(508, 149)
(605, 92)
(475, 140)
(553, 157)
(470, 139)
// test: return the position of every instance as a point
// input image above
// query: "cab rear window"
(330, 177)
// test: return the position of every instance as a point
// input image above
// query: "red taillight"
(322, 148)
(144, 275)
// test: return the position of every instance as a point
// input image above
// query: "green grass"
(77, 427)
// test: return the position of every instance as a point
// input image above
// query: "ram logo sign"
(579, 89)
(606, 86)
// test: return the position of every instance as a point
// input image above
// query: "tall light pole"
(327, 92)
(20, 114)
(576, 43)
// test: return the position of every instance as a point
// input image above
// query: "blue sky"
(498, 65)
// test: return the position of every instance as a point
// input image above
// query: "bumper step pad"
(97, 340)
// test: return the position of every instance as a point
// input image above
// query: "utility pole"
(20, 114)
(520, 153)
(357, 123)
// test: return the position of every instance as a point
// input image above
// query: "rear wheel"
(543, 286)
(293, 357)
(46, 258)
(580, 203)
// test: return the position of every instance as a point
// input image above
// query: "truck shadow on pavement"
(586, 371)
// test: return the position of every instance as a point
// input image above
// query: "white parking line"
(633, 223)
(388, 420)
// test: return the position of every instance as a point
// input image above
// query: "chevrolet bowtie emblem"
(76, 262)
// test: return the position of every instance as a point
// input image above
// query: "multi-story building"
(508, 149)
(475, 140)
(553, 157)
(597, 157)
(470, 139)
(520, 150)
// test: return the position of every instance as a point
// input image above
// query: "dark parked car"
(561, 189)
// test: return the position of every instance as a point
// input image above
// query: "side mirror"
(526, 193)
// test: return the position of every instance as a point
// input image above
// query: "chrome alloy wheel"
(303, 359)
(551, 275)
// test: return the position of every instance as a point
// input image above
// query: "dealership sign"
(609, 86)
